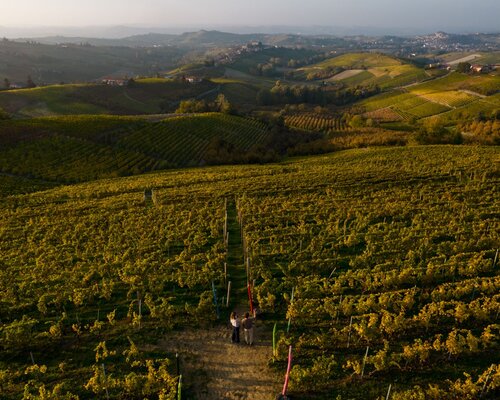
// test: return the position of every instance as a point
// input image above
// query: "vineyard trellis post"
(105, 381)
(338, 312)
(349, 334)
(274, 339)
(228, 293)
(388, 392)
(290, 319)
(364, 362)
(216, 303)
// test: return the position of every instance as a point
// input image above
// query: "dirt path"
(215, 369)
(212, 367)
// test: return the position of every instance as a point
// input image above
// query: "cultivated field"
(389, 254)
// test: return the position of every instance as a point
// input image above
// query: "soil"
(213, 368)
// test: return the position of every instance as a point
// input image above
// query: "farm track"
(212, 367)
(215, 369)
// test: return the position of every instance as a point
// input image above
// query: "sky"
(431, 15)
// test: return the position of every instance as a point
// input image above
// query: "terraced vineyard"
(312, 122)
(82, 148)
(390, 254)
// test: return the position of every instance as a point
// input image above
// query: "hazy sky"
(432, 14)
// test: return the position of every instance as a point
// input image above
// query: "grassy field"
(389, 253)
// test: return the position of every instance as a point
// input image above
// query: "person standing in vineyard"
(235, 323)
(248, 328)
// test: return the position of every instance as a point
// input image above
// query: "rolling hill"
(77, 63)
(144, 96)
(365, 69)
(449, 99)
(389, 254)
(82, 148)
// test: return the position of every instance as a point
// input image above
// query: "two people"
(248, 328)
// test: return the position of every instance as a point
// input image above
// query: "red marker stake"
(250, 297)
(287, 376)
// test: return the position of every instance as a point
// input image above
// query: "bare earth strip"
(346, 74)
(465, 59)
(215, 369)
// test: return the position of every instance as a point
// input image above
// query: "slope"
(401, 242)
(82, 148)
(364, 69)
(143, 96)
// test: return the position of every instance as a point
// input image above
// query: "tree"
(264, 97)
(223, 105)
(357, 122)
(30, 83)
(464, 67)
(6, 83)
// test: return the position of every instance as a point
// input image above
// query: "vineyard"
(82, 148)
(144, 96)
(406, 105)
(315, 123)
(364, 69)
(384, 291)
(450, 99)
(379, 266)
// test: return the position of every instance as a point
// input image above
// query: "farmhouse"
(480, 69)
(17, 85)
(114, 81)
(193, 79)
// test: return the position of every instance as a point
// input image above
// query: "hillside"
(52, 64)
(365, 69)
(455, 97)
(144, 96)
(389, 254)
(82, 148)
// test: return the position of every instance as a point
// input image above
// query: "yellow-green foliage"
(403, 240)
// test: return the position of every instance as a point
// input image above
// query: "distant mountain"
(202, 38)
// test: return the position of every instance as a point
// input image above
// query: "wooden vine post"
(290, 319)
(228, 293)
(274, 339)
(364, 362)
(215, 300)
